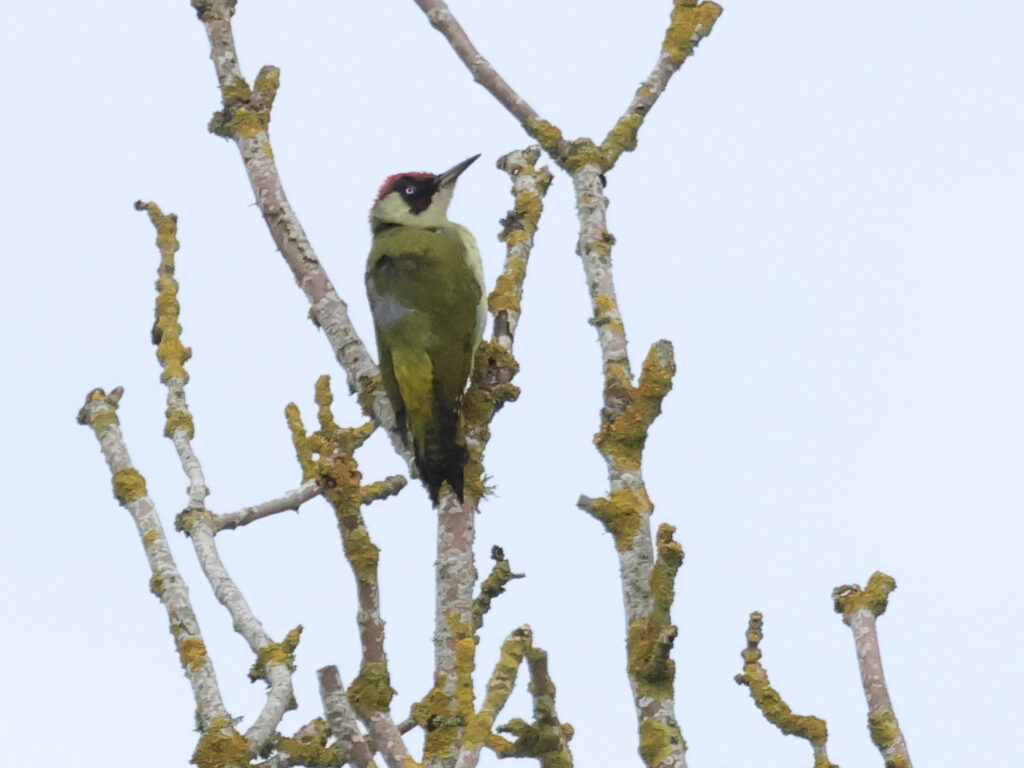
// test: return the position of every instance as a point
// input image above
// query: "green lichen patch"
(500, 575)
(622, 514)
(312, 749)
(544, 741)
(690, 23)
(770, 702)
(156, 584)
(282, 653)
(499, 688)
(149, 537)
(850, 598)
(267, 82)
(129, 485)
(583, 152)
(368, 389)
(102, 419)
(508, 287)
(235, 91)
(657, 741)
(546, 134)
(465, 663)
(303, 445)
(884, 729)
(434, 713)
(192, 653)
(243, 122)
(179, 420)
(362, 553)
(650, 665)
(371, 691)
(623, 436)
(622, 137)
(606, 312)
(221, 747)
(663, 574)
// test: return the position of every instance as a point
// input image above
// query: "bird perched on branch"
(425, 283)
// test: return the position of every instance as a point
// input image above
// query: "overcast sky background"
(824, 215)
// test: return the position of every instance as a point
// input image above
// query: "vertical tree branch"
(275, 661)
(628, 410)
(860, 608)
(447, 708)
(342, 719)
(327, 458)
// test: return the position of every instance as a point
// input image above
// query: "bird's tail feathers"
(441, 458)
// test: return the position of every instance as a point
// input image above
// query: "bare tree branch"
(244, 118)
(501, 574)
(342, 719)
(545, 738)
(771, 704)
(276, 659)
(307, 748)
(479, 732)
(860, 608)
(327, 457)
(628, 410)
(291, 501)
(100, 413)
(444, 22)
(690, 23)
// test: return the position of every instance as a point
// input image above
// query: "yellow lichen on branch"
(622, 436)
(171, 353)
(622, 513)
(850, 598)
(276, 653)
(129, 485)
(479, 729)
(691, 21)
(500, 575)
(770, 702)
(371, 691)
(309, 746)
(246, 111)
(221, 746)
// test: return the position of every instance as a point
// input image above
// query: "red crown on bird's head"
(389, 182)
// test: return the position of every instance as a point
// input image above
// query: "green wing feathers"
(425, 293)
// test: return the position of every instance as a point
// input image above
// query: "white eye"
(410, 190)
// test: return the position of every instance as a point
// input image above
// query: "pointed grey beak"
(448, 178)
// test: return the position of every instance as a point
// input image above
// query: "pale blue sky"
(824, 215)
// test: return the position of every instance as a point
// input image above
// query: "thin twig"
(773, 707)
(276, 668)
(690, 23)
(501, 574)
(443, 21)
(291, 501)
(860, 608)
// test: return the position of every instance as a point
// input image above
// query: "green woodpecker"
(425, 283)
